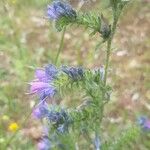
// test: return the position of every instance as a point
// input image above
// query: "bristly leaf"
(61, 23)
(87, 20)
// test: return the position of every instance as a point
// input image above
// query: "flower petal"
(147, 124)
(40, 74)
(38, 86)
(41, 111)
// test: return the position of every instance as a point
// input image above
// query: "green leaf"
(87, 20)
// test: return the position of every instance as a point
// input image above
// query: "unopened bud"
(105, 29)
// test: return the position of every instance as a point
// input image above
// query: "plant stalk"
(109, 43)
(60, 45)
(107, 59)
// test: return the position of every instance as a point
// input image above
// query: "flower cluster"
(45, 86)
(60, 119)
(73, 73)
(60, 9)
(44, 83)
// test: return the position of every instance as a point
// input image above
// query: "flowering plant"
(65, 126)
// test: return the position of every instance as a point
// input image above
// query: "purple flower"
(37, 87)
(60, 9)
(147, 124)
(41, 75)
(42, 89)
(44, 144)
(42, 85)
(74, 73)
(47, 74)
(144, 122)
(41, 111)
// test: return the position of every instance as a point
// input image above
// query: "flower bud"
(105, 28)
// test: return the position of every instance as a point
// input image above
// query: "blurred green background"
(28, 41)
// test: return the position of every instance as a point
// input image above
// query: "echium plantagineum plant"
(67, 127)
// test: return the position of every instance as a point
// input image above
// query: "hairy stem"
(60, 45)
(107, 59)
(109, 42)
(108, 53)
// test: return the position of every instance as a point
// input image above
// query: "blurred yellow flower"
(13, 127)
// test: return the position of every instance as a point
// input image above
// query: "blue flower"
(60, 9)
(48, 93)
(57, 117)
(41, 111)
(44, 144)
(51, 71)
(74, 73)
(141, 120)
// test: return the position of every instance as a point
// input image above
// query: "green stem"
(107, 59)
(109, 42)
(60, 46)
